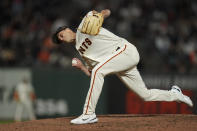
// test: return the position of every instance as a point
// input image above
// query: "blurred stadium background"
(165, 33)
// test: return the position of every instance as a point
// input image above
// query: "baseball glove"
(92, 24)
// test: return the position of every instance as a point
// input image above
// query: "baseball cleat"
(180, 96)
(85, 119)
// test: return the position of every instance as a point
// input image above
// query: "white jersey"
(24, 91)
(97, 48)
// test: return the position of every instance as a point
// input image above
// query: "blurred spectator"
(165, 28)
(193, 57)
(162, 43)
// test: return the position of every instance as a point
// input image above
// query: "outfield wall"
(59, 92)
(62, 92)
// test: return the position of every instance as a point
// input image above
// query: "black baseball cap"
(55, 38)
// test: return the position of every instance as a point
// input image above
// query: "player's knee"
(98, 71)
(94, 71)
(101, 72)
(146, 96)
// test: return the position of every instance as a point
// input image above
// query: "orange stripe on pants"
(95, 76)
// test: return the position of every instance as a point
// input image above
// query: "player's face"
(66, 35)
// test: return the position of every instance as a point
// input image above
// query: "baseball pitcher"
(105, 53)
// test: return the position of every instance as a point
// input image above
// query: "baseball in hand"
(74, 62)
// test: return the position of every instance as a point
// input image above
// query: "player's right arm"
(79, 65)
(16, 96)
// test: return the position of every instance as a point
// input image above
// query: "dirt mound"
(111, 123)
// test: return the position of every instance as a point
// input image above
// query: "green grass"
(6, 121)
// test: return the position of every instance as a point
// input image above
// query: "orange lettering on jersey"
(84, 45)
(88, 41)
(81, 50)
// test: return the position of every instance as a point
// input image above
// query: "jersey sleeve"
(88, 14)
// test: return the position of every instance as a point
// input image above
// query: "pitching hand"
(79, 65)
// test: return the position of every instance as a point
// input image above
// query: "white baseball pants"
(123, 63)
(20, 109)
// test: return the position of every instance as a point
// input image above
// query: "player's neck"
(74, 38)
(74, 35)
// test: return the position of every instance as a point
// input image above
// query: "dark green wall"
(68, 84)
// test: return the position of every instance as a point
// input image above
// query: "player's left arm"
(32, 94)
(92, 22)
(106, 12)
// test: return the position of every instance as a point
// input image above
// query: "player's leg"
(30, 110)
(112, 64)
(18, 112)
(134, 81)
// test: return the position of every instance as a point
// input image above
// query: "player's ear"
(60, 36)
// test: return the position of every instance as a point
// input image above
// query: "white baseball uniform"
(23, 90)
(107, 53)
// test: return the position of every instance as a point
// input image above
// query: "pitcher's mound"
(111, 123)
